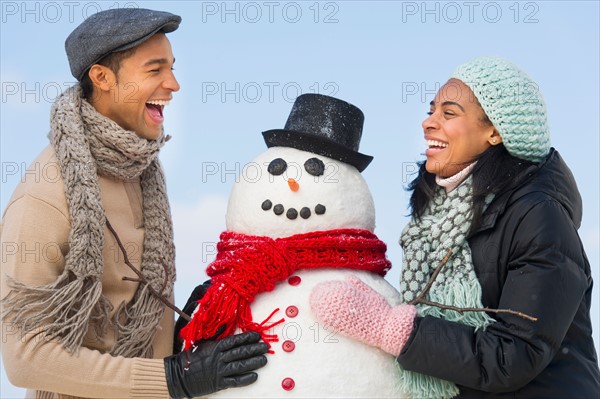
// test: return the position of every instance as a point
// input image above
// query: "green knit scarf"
(443, 226)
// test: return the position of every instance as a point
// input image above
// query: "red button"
(288, 384)
(294, 280)
(288, 346)
(291, 311)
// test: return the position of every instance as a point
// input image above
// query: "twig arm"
(420, 299)
(462, 310)
(141, 279)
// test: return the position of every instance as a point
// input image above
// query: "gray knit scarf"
(425, 242)
(87, 144)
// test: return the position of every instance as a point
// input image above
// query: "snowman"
(300, 214)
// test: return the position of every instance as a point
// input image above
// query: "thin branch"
(141, 279)
(135, 280)
(420, 299)
(432, 278)
(462, 310)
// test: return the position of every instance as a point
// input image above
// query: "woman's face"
(455, 130)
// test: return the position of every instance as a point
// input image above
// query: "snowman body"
(312, 193)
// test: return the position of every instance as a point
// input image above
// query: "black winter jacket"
(528, 257)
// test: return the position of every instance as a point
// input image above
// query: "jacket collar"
(550, 176)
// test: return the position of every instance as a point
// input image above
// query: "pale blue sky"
(241, 64)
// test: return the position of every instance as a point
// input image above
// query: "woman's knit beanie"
(513, 102)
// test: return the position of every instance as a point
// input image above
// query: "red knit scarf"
(248, 265)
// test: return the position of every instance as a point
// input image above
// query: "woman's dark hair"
(495, 170)
(112, 61)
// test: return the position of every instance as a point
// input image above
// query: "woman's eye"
(277, 167)
(314, 166)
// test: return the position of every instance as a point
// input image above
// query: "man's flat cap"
(111, 31)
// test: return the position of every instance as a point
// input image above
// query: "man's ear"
(102, 77)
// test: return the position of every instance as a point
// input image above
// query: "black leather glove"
(188, 309)
(215, 365)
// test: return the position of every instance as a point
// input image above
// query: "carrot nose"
(294, 186)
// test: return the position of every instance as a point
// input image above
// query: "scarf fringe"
(422, 386)
(466, 294)
(58, 310)
(217, 308)
(142, 317)
(225, 309)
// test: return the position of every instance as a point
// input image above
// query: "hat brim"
(317, 145)
(168, 27)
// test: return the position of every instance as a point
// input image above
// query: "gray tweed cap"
(111, 31)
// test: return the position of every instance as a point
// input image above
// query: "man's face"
(145, 84)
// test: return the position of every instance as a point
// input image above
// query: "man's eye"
(314, 166)
(277, 167)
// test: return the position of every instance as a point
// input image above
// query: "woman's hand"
(356, 310)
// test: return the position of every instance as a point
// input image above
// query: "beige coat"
(34, 235)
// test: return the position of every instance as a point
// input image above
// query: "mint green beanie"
(513, 102)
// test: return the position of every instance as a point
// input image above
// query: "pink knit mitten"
(354, 309)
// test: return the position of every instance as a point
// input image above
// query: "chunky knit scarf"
(426, 242)
(87, 144)
(248, 265)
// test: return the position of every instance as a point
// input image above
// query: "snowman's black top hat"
(323, 125)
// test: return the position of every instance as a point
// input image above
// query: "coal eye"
(314, 166)
(277, 167)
